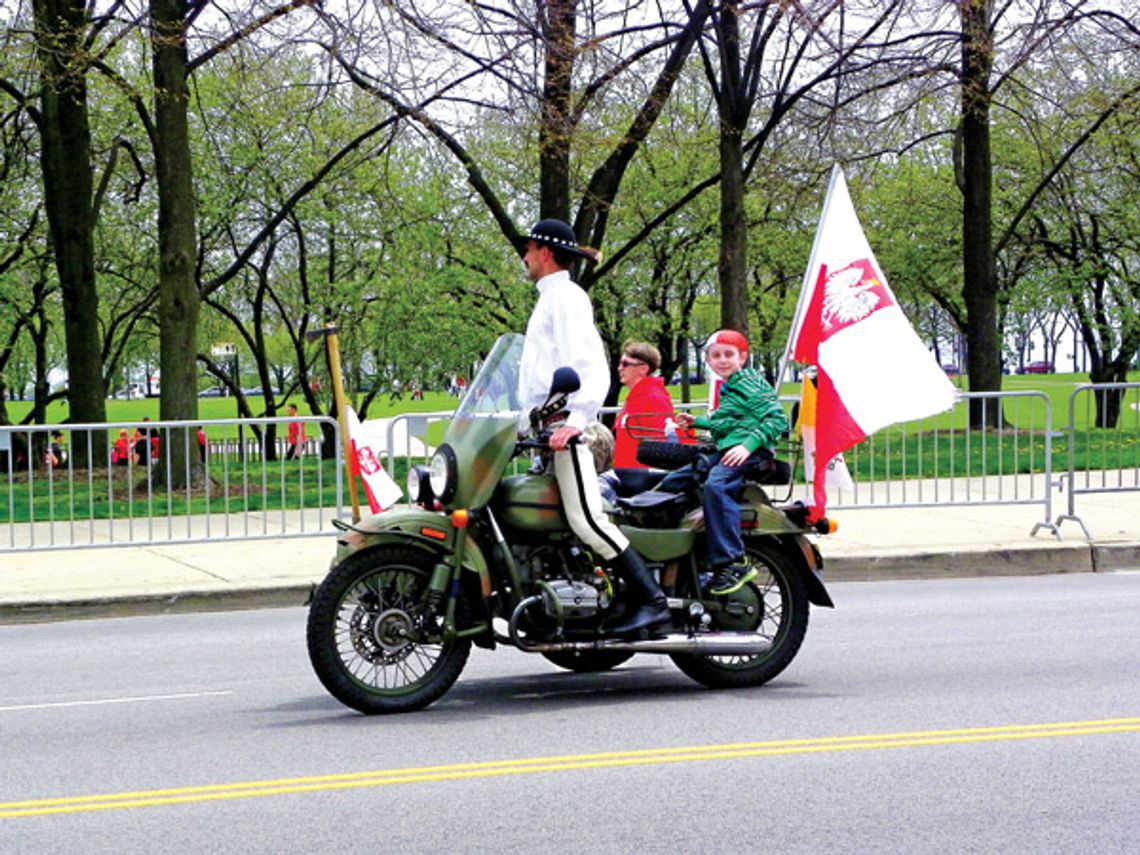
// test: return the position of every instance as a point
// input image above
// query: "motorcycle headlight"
(418, 486)
(444, 473)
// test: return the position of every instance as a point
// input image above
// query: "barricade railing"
(943, 461)
(936, 461)
(254, 491)
(408, 440)
(1104, 443)
(126, 483)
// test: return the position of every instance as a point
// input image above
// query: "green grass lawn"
(123, 492)
(1057, 387)
(132, 412)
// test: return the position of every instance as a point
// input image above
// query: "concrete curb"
(1107, 557)
(1075, 558)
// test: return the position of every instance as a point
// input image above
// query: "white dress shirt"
(561, 331)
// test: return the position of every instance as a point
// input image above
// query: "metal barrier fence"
(1104, 452)
(166, 482)
(943, 461)
(937, 461)
(253, 493)
(408, 438)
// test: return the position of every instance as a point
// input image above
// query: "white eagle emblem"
(848, 296)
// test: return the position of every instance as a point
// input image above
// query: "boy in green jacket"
(747, 422)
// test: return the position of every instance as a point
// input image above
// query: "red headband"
(731, 338)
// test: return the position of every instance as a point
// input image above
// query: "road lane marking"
(103, 701)
(564, 763)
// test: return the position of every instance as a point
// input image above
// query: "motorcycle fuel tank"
(530, 503)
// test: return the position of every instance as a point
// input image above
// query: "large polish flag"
(367, 441)
(872, 368)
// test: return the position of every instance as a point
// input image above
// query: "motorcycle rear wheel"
(588, 661)
(373, 640)
(779, 603)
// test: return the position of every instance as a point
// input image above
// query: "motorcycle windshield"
(495, 389)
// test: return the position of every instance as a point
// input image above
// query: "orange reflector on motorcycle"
(460, 518)
(434, 533)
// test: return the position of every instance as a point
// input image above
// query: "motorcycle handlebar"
(540, 442)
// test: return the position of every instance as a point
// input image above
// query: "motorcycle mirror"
(565, 381)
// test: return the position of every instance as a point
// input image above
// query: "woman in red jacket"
(647, 407)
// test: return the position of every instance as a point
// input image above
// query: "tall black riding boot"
(650, 608)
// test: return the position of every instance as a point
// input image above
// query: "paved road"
(193, 713)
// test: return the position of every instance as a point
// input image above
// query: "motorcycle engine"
(577, 599)
(571, 582)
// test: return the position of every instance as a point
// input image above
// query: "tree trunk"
(732, 267)
(558, 29)
(979, 290)
(65, 162)
(177, 238)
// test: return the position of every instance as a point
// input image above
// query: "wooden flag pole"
(333, 349)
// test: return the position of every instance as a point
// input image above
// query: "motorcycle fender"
(422, 529)
(660, 544)
(764, 519)
(812, 563)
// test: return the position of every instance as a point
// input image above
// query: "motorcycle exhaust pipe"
(714, 644)
(702, 644)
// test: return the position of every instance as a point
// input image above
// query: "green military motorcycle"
(487, 558)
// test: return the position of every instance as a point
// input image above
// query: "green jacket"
(749, 414)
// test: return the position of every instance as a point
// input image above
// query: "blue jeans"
(723, 487)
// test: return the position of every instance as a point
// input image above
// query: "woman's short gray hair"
(644, 351)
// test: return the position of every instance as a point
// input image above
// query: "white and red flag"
(872, 368)
(368, 441)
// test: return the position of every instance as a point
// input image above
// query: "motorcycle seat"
(632, 480)
(763, 471)
(652, 500)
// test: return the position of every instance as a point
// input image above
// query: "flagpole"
(333, 351)
(808, 284)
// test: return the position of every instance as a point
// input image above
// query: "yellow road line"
(564, 763)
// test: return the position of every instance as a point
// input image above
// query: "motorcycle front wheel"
(774, 604)
(374, 640)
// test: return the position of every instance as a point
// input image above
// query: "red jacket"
(647, 407)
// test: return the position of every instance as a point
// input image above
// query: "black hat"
(559, 235)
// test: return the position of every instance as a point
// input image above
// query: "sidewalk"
(872, 543)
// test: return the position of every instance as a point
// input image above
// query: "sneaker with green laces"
(731, 579)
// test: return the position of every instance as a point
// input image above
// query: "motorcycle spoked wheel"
(774, 604)
(588, 661)
(374, 641)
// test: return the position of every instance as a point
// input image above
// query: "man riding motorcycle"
(561, 332)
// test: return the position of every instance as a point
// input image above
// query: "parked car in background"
(1041, 367)
(212, 392)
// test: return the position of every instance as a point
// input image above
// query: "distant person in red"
(296, 436)
(648, 406)
(121, 453)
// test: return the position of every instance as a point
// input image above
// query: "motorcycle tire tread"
(321, 637)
